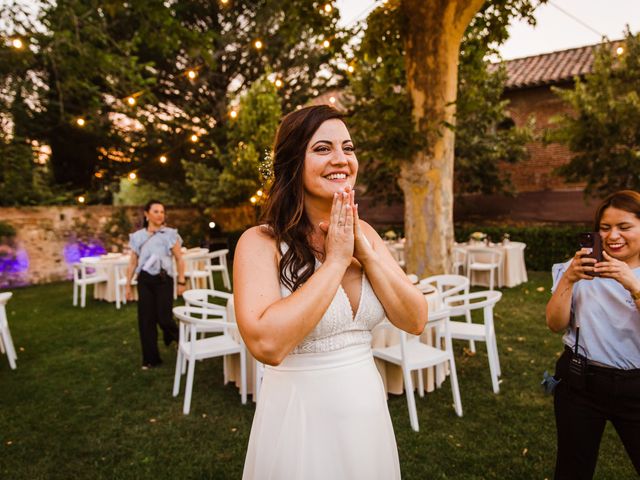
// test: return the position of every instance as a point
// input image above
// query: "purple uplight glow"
(77, 249)
(16, 261)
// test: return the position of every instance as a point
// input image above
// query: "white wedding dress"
(322, 413)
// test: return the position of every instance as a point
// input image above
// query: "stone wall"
(49, 239)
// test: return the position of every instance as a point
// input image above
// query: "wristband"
(635, 295)
(181, 283)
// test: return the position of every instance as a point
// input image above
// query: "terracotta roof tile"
(551, 68)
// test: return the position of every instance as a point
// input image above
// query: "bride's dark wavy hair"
(284, 210)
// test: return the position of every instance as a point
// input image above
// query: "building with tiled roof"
(542, 195)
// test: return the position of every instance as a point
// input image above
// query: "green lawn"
(78, 406)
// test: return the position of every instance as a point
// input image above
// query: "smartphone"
(592, 241)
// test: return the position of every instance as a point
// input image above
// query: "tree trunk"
(434, 30)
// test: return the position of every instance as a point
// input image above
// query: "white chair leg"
(494, 347)
(243, 377)
(75, 294)
(2, 350)
(225, 278)
(118, 292)
(472, 343)
(455, 389)
(189, 386)
(493, 367)
(11, 352)
(411, 400)
(212, 285)
(420, 383)
(176, 378)
(83, 295)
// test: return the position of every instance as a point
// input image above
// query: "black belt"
(607, 371)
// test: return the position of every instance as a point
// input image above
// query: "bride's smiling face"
(330, 162)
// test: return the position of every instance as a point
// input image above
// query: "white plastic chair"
(192, 349)
(461, 305)
(411, 354)
(218, 263)
(82, 277)
(447, 286)
(484, 259)
(6, 342)
(120, 270)
(194, 270)
(459, 261)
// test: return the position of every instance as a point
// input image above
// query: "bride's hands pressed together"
(339, 239)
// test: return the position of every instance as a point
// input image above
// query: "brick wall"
(536, 173)
(48, 239)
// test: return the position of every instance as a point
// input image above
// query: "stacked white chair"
(484, 259)
(462, 305)
(194, 320)
(6, 342)
(411, 354)
(85, 274)
(218, 263)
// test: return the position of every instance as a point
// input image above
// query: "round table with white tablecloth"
(513, 270)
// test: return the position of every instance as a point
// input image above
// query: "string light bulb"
(350, 69)
(328, 8)
(224, 2)
(131, 101)
(163, 159)
(132, 176)
(191, 74)
(619, 50)
(259, 193)
(212, 225)
(258, 44)
(278, 83)
(17, 43)
(194, 138)
(253, 200)
(326, 44)
(233, 114)
(80, 122)
(332, 99)
(81, 199)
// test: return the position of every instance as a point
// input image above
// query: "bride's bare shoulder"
(257, 240)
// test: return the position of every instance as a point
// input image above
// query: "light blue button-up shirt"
(154, 249)
(608, 318)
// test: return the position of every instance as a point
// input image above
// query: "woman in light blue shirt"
(596, 305)
(153, 249)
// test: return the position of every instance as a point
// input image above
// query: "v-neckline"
(354, 316)
(346, 297)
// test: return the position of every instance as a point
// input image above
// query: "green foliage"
(603, 131)
(485, 135)
(84, 59)
(139, 191)
(118, 229)
(546, 244)
(7, 230)
(382, 106)
(249, 141)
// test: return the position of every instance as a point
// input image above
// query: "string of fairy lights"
(191, 73)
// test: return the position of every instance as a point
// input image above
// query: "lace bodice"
(338, 328)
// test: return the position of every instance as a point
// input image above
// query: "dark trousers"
(582, 413)
(155, 301)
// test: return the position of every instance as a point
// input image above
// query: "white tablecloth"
(107, 264)
(514, 270)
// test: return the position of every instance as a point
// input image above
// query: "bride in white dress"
(309, 285)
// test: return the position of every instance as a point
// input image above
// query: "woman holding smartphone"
(596, 305)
